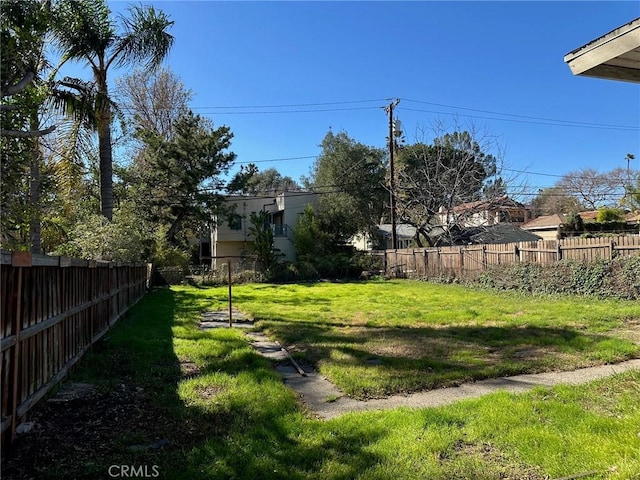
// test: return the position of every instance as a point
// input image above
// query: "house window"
(235, 222)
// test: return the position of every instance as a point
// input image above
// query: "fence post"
(415, 264)
(484, 257)
(16, 352)
(426, 263)
(461, 263)
(516, 252)
(558, 250)
(230, 296)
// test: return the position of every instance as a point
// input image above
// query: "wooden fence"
(53, 309)
(469, 261)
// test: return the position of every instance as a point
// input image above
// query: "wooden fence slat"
(53, 309)
(468, 260)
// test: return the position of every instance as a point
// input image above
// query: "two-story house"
(485, 213)
(230, 235)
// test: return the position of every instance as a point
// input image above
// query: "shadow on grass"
(239, 420)
(368, 362)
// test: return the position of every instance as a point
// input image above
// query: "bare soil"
(79, 435)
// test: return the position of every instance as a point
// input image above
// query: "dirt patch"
(209, 391)
(189, 369)
(77, 436)
(630, 331)
(492, 460)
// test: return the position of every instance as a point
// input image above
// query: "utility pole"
(392, 199)
(628, 187)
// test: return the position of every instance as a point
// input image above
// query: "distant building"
(548, 227)
(405, 236)
(633, 218)
(230, 235)
(485, 213)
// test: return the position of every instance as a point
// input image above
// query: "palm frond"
(76, 99)
(83, 28)
(145, 39)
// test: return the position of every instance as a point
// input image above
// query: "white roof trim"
(614, 56)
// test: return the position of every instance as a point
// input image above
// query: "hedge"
(617, 278)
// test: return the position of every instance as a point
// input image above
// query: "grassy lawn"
(379, 338)
(227, 415)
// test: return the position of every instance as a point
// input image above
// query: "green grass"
(228, 415)
(373, 339)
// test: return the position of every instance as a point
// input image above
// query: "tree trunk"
(173, 229)
(106, 158)
(34, 190)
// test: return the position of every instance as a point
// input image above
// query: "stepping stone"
(220, 319)
(266, 347)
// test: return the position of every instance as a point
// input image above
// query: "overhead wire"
(518, 118)
(289, 105)
(567, 124)
(523, 116)
(260, 112)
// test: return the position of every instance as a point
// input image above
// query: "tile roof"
(500, 202)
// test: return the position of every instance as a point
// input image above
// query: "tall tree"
(185, 172)
(250, 180)
(23, 93)
(153, 104)
(349, 176)
(154, 101)
(454, 169)
(595, 189)
(22, 36)
(555, 200)
(84, 31)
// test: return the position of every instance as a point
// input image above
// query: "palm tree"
(84, 31)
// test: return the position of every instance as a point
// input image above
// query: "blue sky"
(281, 74)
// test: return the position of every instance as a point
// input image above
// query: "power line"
(289, 105)
(568, 124)
(268, 112)
(524, 116)
(297, 108)
(532, 173)
(286, 159)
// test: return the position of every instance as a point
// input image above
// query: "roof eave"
(614, 56)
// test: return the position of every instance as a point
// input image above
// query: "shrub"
(607, 214)
(167, 255)
(96, 238)
(268, 257)
(618, 278)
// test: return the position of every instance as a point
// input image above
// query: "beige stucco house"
(547, 227)
(231, 233)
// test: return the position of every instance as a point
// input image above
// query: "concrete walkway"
(326, 401)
